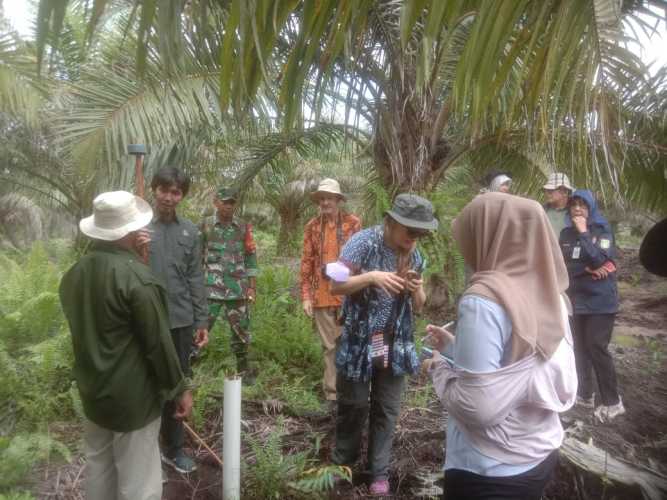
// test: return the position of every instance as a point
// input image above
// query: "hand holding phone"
(413, 280)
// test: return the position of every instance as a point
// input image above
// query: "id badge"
(576, 252)
(379, 350)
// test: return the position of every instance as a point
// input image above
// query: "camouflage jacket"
(229, 258)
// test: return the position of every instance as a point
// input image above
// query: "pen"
(445, 326)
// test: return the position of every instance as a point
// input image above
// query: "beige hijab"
(508, 242)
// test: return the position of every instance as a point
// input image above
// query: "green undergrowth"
(35, 360)
(38, 390)
(285, 354)
(272, 473)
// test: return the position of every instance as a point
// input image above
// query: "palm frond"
(19, 93)
(269, 151)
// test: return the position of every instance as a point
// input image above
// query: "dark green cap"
(413, 211)
(226, 193)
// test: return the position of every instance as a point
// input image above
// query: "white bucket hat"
(556, 180)
(116, 214)
(327, 186)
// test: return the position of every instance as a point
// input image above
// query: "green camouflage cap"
(226, 193)
(413, 211)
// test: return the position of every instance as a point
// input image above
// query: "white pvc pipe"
(231, 441)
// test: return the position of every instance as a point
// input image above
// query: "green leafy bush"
(285, 352)
(19, 454)
(16, 495)
(29, 305)
(35, 349)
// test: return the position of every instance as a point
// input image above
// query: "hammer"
(139, 151)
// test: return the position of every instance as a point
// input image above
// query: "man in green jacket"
(125, 364)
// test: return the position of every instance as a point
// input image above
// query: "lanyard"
(339, 236)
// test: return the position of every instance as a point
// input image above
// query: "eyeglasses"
(416, 233)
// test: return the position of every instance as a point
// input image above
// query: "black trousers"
(173, 434)
(592, 333)
(464, 485)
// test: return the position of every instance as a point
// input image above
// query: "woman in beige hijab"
(513, 367)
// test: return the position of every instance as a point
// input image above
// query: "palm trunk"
(409, 151)
(289, 229)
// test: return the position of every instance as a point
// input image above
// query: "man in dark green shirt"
(175, 258)
(125, 364)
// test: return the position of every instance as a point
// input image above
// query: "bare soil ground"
(639, 437)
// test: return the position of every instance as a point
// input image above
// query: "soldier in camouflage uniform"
(231, 268)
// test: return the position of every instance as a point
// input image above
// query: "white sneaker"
(608, 413)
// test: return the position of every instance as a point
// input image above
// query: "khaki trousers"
(123, 465)
(325, 322)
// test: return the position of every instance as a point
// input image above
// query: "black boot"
(243, 369)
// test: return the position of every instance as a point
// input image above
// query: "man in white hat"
(323, 238)
(125, 364)
(557, 193)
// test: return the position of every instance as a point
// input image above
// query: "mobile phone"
(427, 353)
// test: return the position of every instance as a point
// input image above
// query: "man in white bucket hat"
(557, 193)
(125, 364)
(323, 239)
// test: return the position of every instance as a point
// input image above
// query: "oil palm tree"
(435, 82)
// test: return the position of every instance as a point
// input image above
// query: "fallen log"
(590, 458)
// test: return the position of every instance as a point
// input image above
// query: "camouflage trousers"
(238, 317)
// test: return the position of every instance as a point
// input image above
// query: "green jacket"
(125, 364)
(175, 258)
(557, 218)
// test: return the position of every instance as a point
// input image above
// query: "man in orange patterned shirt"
(323, 238)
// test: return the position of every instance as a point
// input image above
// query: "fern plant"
(19, 454)
(269, 476)
(29, 299)
(321, 479)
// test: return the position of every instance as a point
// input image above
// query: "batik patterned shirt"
(372, 310)
(317, 253)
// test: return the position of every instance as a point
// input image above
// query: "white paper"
(338, 272)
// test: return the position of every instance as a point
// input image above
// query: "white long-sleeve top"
(503, 419)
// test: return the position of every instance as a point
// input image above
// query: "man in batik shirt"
(230, 264)
(323, 239)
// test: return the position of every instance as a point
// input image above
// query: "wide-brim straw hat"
(115, 214)
(556, 180)
(328, 186)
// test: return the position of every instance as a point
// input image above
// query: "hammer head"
(136, 149)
